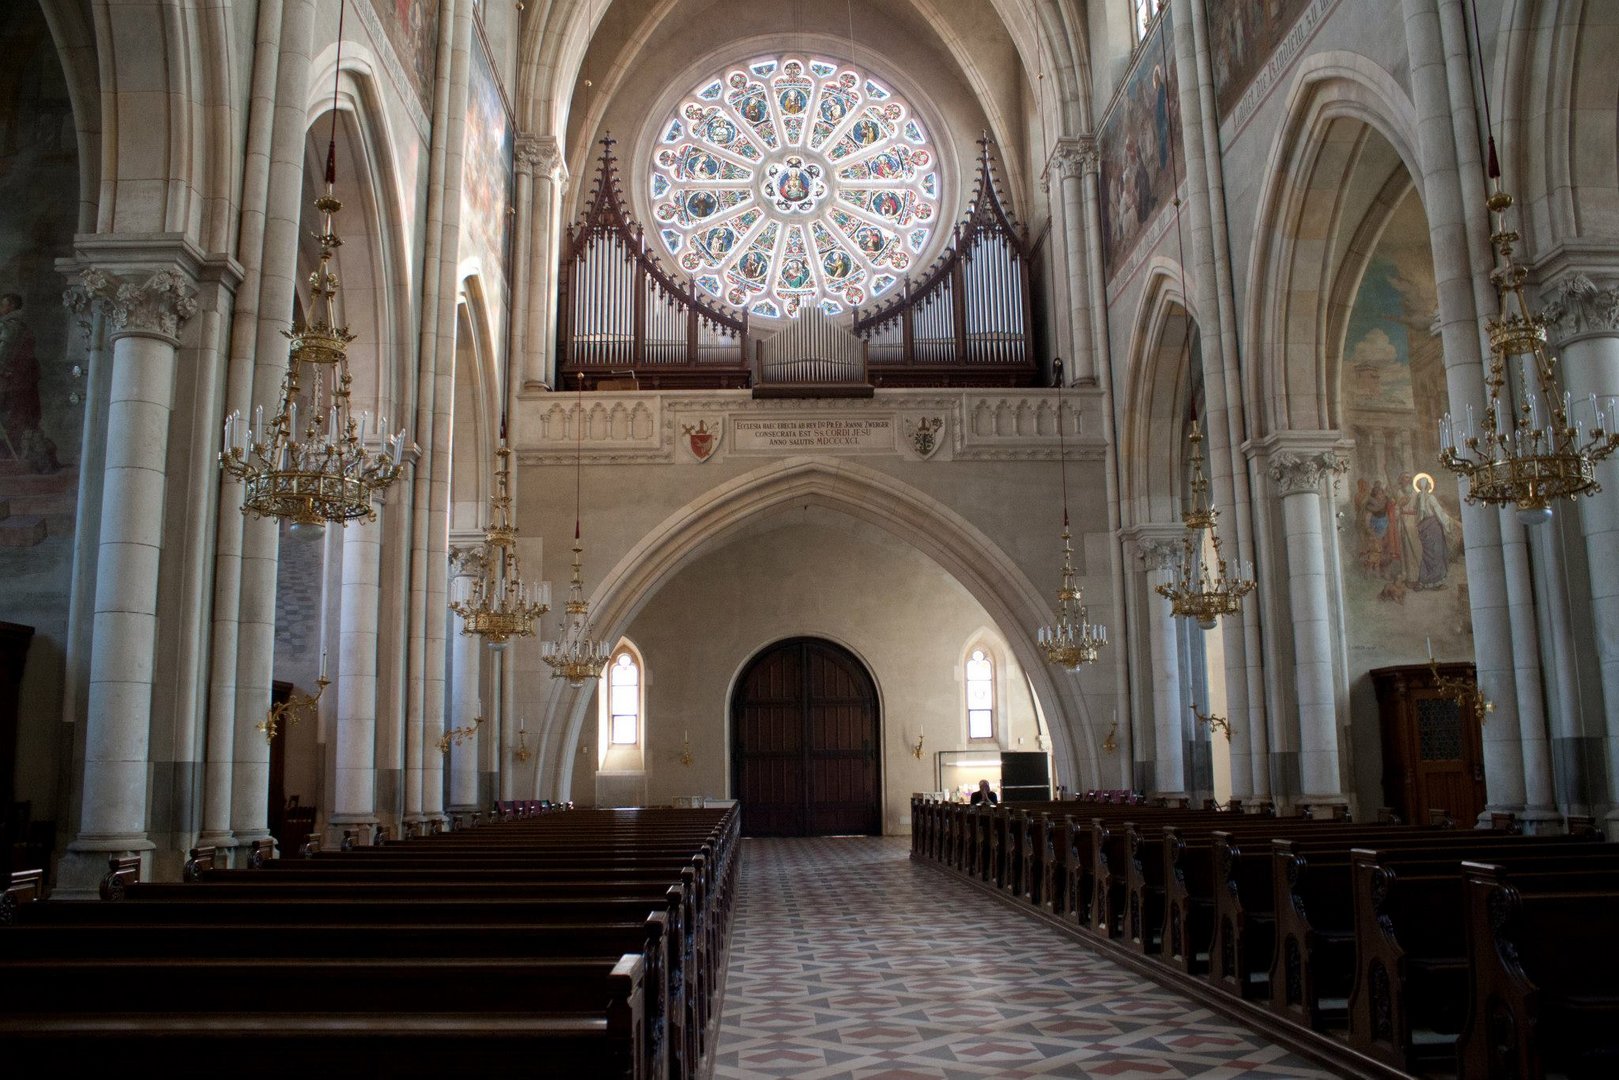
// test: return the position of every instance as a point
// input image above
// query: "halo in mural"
(791, 181)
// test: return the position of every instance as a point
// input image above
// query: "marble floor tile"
(850, 962)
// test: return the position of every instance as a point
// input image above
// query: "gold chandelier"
(498, 604)
(322, 472)
(1073, 640)
(1529, 455)
(575, 655)
(1204, 588)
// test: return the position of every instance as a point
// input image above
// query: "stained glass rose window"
(793, 181)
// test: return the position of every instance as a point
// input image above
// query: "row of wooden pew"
(1395, 949)
(579, 943)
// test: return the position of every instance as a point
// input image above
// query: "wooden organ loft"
(624, 321)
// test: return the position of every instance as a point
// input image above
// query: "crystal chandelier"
(321, 472)
(498, 604)
(575, 655)
(1073, 640)
(1529, 455)
(1201, 588)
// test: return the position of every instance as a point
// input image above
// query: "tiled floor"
(849, 961)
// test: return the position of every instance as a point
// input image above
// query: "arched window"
(624, 699)
(1142, 12)
(980, 695)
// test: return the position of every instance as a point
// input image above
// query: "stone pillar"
(1298, 475)
(465, 693)
(1169, 704)
(145, 314)
(356, 772)
(542, 155)
(1584, 324)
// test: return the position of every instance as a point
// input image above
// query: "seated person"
(984, 795)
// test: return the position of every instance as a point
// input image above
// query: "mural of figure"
(19, 390)
(1434, 530)
(1376, 513)
(1409, 537)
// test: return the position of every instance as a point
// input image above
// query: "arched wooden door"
(804, 739)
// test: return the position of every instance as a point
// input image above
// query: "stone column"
(465, 690)
(545, 228)
(1584, 324)
(356, 772)
(1298, 475)
(1160, 557)
(145, 314)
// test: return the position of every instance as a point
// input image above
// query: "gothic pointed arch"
(987, 573)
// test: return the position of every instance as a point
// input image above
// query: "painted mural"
(1401, 538)
(1138, 146)
(42, 383)
(486, 189)
(1244, 34)
(412, 28)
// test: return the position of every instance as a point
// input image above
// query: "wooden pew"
(1411, 989)
(1545, 996)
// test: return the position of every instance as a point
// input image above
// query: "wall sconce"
(458, 735)
(916, 751)
(1215, 723)
(295, 708)
(1110, 745)
(522, 753)
(685, 749)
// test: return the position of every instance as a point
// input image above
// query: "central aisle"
(849, 961)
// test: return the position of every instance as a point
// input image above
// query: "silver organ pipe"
(812, 349)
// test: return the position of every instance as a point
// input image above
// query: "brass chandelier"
(1073, 640)
(1532, 454)
(1204, 588)
(498, 604)
(575, 655)
(1529, 455)
(322, 472)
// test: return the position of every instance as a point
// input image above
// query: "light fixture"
(498, 604)
(1204, 588)
(457, 735)
(1532, 454)
(1073, 640)
(296, 707)
(522, 753)
(575, 655)
(322, 473)
(1213, 722)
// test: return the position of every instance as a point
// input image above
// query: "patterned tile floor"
(849, 962)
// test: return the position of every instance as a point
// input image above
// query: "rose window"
(794, 181)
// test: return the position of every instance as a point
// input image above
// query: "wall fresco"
(1138, 146)
(412, 28)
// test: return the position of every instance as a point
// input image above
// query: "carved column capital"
(1159, 554)
(1072, 158)
(156, 306)
(467, 560)
(1301, 473)
(541, 155)
(1575, 306)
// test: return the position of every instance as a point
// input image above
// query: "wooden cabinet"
(1433, 755)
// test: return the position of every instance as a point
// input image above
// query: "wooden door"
(804, 743)
(1433, 755)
